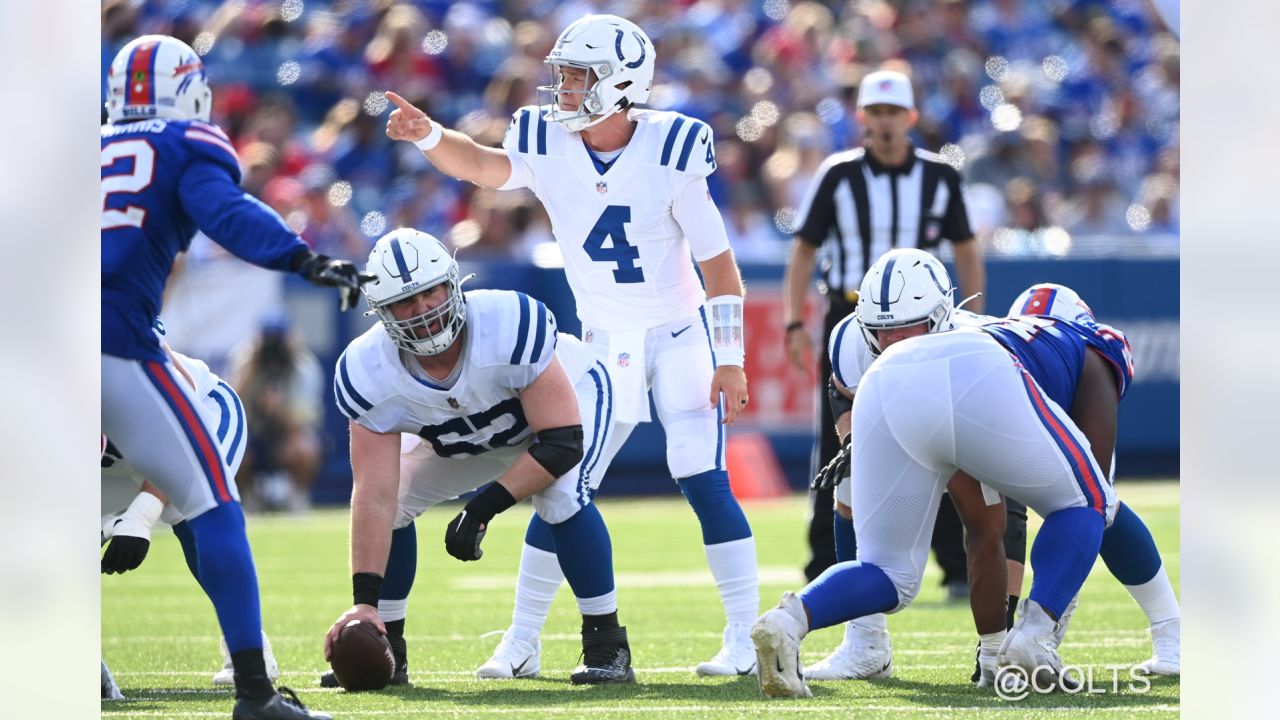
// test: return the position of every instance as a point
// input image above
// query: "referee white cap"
(886, 87)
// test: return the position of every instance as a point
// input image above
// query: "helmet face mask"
(407, 263)
(157, 76)
(617, 61)
(905, 287)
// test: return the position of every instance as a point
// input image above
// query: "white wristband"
(725, 321)
(432, 139)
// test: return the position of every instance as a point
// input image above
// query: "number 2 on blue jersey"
(126, 179)
(612, 224)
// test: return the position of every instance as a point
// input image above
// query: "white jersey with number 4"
(626, 234)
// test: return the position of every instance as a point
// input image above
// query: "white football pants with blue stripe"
(675, 362)
(152, 415)
(121, 481)
(427, 479)
(956, 401)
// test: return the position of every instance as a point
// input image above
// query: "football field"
(160, 637)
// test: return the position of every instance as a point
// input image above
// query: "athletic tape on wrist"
(725, 320)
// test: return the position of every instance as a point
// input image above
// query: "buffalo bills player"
(935, 403)
(166, 172)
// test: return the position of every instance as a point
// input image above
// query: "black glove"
(463, 535)
(342, 274)
(833, 474)
(125, 553)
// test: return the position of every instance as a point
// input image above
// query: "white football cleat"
(865, 654)
(777, 636)
(1060, 631)
(1166, 646)
(1030, 645)
(513, 658)
(227, 675)
(110, 690)
(736, 657)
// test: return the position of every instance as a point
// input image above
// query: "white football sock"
(391, 610)
(540, 578)
(733, 564)
(1156, 598)
(599, 605)
(878, 622)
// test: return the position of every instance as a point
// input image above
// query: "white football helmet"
(618, 59)
(904, 287)
(406, 262)
(158, 76)
(1057, 301)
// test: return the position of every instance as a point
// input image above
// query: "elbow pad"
(839, 403)
(558, 450)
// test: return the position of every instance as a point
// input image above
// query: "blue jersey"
(161, 181)
(1053, 351)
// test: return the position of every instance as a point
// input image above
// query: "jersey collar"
(878, 168)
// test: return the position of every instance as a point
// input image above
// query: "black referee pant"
(948, 533)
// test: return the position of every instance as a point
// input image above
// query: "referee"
(863, 203)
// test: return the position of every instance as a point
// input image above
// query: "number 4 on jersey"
(612, 224)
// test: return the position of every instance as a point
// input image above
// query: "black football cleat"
(280, 705)
(399, 651)
(606, 658)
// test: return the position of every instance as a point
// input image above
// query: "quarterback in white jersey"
(495, 400)
(132, 507)
(626, 192)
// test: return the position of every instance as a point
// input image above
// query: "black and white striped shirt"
(858, 209)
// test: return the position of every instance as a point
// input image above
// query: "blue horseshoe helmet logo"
(617, 45)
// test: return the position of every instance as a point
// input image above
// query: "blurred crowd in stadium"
(1062, 114)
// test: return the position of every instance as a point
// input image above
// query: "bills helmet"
(1058, 301)
(158, 76)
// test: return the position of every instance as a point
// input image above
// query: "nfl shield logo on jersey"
(624, 359)
(453, 403)
(588, 336)
(602, 187)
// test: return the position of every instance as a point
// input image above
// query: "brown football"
(362, 658)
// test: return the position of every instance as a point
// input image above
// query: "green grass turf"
(160, 637)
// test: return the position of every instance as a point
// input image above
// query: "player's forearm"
(973, 274)
(721, 275)
(375, 465)
(373, 513)
(525, 477)
(796, 282)
(984, 546)
(844, 425)
(459, 156)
